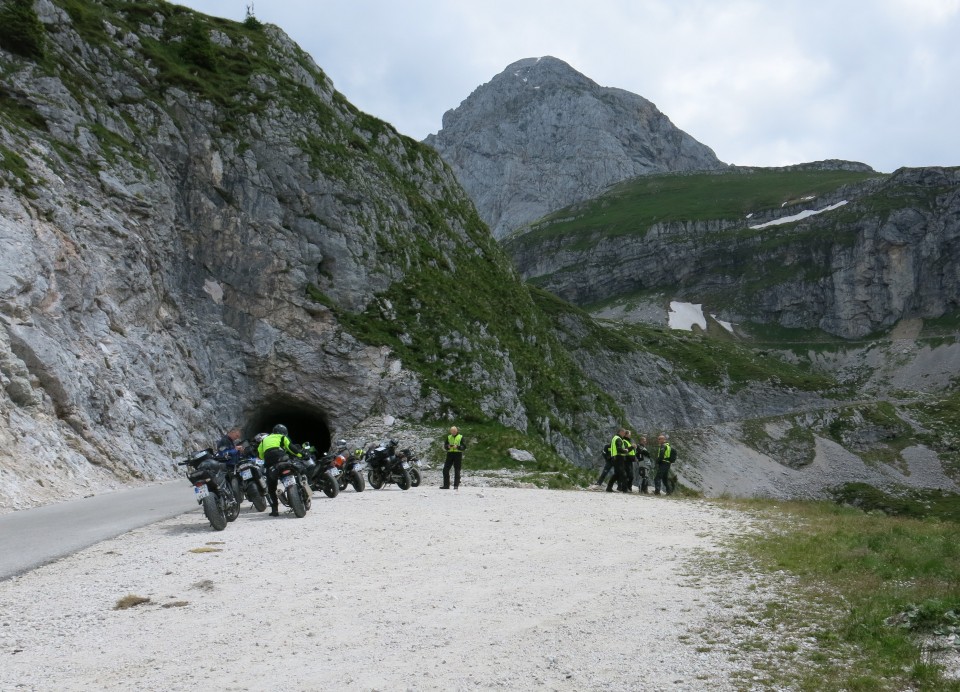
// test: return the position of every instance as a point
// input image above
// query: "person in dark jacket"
(273, 448)
(454, 445)
(643, 465)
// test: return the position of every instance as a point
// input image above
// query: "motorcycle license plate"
(288, 481)
(246, 474)
(334, 472)
(405, 465)
(200, 491)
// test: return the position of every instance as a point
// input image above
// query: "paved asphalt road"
(33, 537)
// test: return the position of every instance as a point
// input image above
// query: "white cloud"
(761, 83)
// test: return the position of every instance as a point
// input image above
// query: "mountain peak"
(540, 135)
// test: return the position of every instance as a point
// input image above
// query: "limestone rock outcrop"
(540, 136)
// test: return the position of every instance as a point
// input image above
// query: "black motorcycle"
(415, 466)
(253, 481)
(210, 487)
(325, 477)
(230, 458)
(386, 467)
(293, 489)
(351, 466)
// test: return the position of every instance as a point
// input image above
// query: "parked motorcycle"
(351, 466)
(386, 467)
(415, 466)
(325, 476)
(230, 458)
(211, 488)
(253, 481)
(293, 488)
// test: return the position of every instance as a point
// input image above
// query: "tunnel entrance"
(304, 423)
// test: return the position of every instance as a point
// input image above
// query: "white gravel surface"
(425, 589)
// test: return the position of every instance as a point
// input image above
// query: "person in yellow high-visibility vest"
(666, 455)
(454, 445)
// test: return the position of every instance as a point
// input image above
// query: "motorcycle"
(253, 480)
(325, 476)
(293, 489)
(230, 458)
(385, 467)
(210, 487)
(351, 467)
(415, 466)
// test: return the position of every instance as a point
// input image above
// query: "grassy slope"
(631, 208)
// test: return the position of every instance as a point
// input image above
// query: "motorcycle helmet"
(259, 438)
(279, 429)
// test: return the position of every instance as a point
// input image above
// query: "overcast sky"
(761, 82)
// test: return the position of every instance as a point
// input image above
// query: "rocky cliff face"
(199, 232)
(877, 253)
(540, 136)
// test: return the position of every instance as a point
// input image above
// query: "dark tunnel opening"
(304, 423)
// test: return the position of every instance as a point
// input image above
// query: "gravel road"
(485, 587)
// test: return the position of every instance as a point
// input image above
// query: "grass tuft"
(130, 601)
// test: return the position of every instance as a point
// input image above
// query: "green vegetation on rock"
(20, 29)
(632, 207)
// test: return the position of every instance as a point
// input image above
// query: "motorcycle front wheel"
(331, 487)
(231, 508)
(403, 480)
(211, 508)
(414, 477)
(376, 479)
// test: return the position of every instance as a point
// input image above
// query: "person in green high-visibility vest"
(454, 445)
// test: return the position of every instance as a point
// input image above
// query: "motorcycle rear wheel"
(296, 502)
(414, 477)
(235, 489)
(331, 487)
(211, 508)
(356, 480)
(403, 482)
(376, 479)
(256, 497)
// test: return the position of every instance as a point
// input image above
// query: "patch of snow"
(685, 315)
(726, 325)
(796, 217)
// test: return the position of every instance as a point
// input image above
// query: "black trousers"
(663, 474)
(607, 468)
(628, 471)
(619, 475)
(454, 459)
(272, 478)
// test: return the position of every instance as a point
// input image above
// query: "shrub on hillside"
(20, 29)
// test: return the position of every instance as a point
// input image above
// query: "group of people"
(274, 446)
(629, 464)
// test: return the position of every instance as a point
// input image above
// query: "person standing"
(666, 455)
(454, 445)
(643, 465)
(628, 464)
(618, 452)
(607, 465)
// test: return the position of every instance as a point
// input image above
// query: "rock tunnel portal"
(304, 423)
